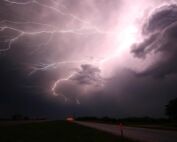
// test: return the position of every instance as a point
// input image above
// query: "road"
(140, 134)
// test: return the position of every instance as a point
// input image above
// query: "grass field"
(165, 126)
(56, 131)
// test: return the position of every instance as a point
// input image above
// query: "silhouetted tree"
(171, 109)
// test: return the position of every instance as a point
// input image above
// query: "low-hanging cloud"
(88, 75)
(84, 80)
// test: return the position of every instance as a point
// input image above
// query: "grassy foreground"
(56, 131)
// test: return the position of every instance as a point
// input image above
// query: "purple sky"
(87, 57)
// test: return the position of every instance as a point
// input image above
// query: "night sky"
(114, 58)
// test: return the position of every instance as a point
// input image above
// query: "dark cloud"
(88, 75)
(131, 95)
(160, 19)
(27, 74)
(23, 92)
(20, 95)
(142, 49)
(161, 34)
(85, 80)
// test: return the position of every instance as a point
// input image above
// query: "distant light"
(70, 119)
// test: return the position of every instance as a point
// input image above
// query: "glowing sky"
(82, 54)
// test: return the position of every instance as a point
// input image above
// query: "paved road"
(140, 134)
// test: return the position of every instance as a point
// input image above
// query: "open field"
(155, 126)
(54, 131)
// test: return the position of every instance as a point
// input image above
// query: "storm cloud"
(88, 75)
(85, 80)
(62, 57)
(160, 35)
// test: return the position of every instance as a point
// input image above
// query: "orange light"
(70, 119)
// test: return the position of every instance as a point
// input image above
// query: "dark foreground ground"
(55, 131)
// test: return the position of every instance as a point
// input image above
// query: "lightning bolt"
(54, 65)
(17, 27)
(85, 28)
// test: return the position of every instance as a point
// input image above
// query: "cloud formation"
(85, 80)
(88, 75)
(71, 46)
(160, 35)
